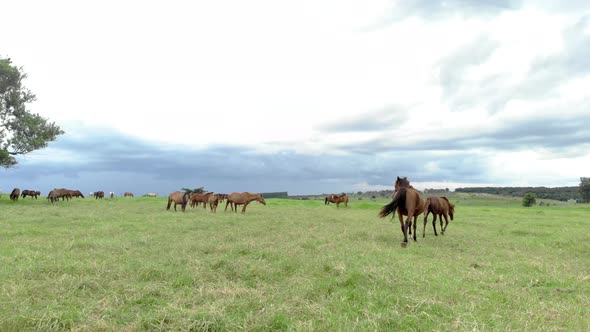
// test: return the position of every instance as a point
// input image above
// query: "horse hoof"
(404, 244)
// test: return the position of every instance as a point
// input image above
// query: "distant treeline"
(558, 193)
(280, 194)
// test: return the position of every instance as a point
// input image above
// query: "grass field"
(128, 264)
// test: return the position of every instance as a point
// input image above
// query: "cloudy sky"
(303, 96)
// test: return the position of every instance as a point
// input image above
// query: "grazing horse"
(178, 197)
(235, 199)
(337, 199)
(150, 195)
(111, 194)
(406, 200)
(128, 194)
(441, 207)
(32, 193)
(196, 198)
(15, 194)
(62, 193)
(98, 194)
(76, 193)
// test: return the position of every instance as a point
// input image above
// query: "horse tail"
(399, 199)
(185, 199)
(169, 202)
(326, 201)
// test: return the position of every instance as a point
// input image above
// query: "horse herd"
(65, 194)
(233, 200)
(16, 193)
(407, 202)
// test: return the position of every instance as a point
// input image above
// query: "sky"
(303, 96)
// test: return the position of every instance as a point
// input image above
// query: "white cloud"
(270, 74)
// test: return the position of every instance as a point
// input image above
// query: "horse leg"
(415, 225)
(401, 222)
(425, 221)
(226, 204)
(244, 208)
(446, 223)
(407, 225)
(434, 223)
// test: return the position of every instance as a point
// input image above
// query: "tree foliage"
(558, 193)
(199, 190)
(585, 189)
(20, 130)
(529, 200)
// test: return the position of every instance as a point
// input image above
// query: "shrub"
(529, 200)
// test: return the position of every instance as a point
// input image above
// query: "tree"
(20, 130)
(199, 190)
(585, 189)
(529, 200)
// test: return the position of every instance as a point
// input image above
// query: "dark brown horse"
(178, 197)
(98, 194)
(128, 194)
(32, 193)
(62, 193)
(441, 207)
(14, 194)
(235, 199)
(406, 200)
(337, 199)
(76, 193)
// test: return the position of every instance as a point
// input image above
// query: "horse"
(14, 195)
(128, 194)
(62, 193)
(111, 194)
(406, 200)
(150, 195)
(336, 199)
(32, 193)
(76, 193)
(178, 197)
(214, 200)
(438, 206)
(235, 199)
(196, 198)
(98, 194)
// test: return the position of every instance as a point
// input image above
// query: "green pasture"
(128, 264)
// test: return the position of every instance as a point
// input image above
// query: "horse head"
(260, 199)
(402, 183)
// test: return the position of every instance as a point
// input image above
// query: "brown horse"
(337, 199)
(178, 197)
(15, 194)
(76, 193)
(196, 198)
(62, 193)
(214, 201)
(235, 199)
(98, 194)
(406, 200)
(32, 193)
(441, 207)
(128, 194)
